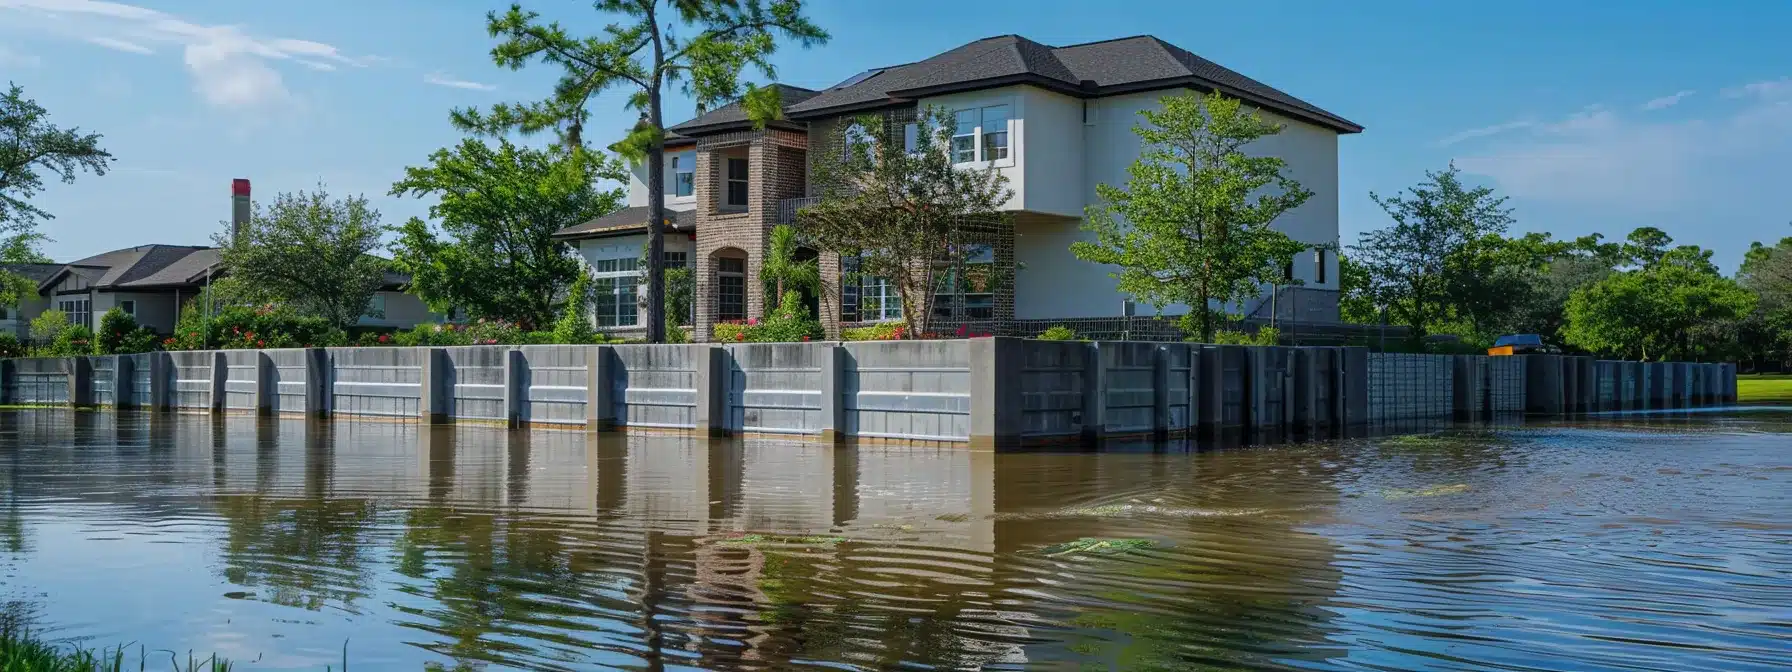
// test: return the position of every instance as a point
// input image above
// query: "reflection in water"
(1649, 543)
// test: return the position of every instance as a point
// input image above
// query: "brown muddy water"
(1633, 542)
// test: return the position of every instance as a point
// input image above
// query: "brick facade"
(775, 171)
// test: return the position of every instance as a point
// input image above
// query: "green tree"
(30, 146)
(1193, 223)
(492, 252)
(1420, 265)
(905, 215)
(575, 316)
(782, 271)
(641, 54)
(1657, 312)
(1356, 304)
(1766, 335)
(310, 252)
(119, 334)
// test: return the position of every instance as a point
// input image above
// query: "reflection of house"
(1055, 120)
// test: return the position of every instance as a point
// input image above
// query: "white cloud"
(1600, 157)
(230, 67)
(119, 45)
(440, 79)
(1667, 101)
(1484, 131)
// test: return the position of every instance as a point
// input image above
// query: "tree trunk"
(656, 211)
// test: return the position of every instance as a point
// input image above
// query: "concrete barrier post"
(220, 379)
(433, 393)
(516, 388)
(1212, 398)
(1543, 385)
(1095, 391)
(124, 393)
(1466, 392)
(1194, 391)
(833, 392)
(158, 380)
(9, 373)
(80, 381)
(267, 392)
(317, 382)
(600, 408)
(996, 364)
(1303, 365)
(712, 391)
(1730, 382)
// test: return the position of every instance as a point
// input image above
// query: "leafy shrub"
(49, 325)
(10, 345)
(1058, 332)
(1263, 336)
(790, 323)
(58, 337)
(882, 331)
(575, 321)
(243, 328)
(729, 332)
(120, 335)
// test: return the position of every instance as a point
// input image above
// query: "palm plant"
(782, 271)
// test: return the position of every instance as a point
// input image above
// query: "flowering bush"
(1058, 332)
(120, 335)
(243, 328)
(883, 331)
(790, 323)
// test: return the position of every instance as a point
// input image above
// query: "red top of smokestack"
(239, 187)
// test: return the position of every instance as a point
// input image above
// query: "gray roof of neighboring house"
(733, 115)
(1110, 67)
(33, 272)
(626, 220)
(143, 266)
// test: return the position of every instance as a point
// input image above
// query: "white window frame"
(979, 134)
(683, 174)
(879, 300)
(79, 310)
(617, 279)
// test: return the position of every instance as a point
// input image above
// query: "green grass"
(1764, 389)
(20, 652)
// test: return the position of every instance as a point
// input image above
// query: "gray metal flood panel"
(908, 390)
(776, 387)
(655, 385)
(475, 377)
(376, 381)
(244, 373)
(288, 385)
(554, 383)
(190, 379)
(1128, 393)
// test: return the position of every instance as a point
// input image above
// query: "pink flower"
(385, 338)
(752, 321)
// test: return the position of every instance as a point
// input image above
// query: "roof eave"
(728, 126)
(1326, 120)
(1047, 83)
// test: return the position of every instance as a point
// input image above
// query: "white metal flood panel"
(384, 382)
(908, 390)
(1051, 388)
(655, 385)
(1409, 386)
(140, 381)
(476, 381)
(290, 371)
(38, 380)
(242, 375)
(555, 383)
(190, 379)
(777, 387)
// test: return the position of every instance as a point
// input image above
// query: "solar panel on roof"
(868, 74)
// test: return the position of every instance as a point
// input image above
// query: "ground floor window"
(80, 311)
(865, 298)
(968, 286)
(613, 292)
(731, 288)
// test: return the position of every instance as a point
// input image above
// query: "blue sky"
(1590, 116)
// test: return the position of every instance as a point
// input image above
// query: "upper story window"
(856, 136)
(981, 135)
(376, 307)
(684, 176)
(737, 183)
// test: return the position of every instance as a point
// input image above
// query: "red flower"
(805, 339)
(740, 336)
(261, 344)
(961, 331)
(385, 338)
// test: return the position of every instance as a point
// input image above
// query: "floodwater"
(1620, 543)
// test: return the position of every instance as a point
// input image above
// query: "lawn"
(1764, 389)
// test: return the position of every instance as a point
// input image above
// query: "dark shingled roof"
(1110, 67)
(733, 115)
(627, 220)
(33, 272)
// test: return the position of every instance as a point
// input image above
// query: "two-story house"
(1056, 121)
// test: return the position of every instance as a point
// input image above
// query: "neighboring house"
(16, 320)
(1055, 120)
(152, 282)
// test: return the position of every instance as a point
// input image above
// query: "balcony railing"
(787, 208)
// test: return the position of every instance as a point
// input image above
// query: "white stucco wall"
(637, 182)
(1053, 283)
(1016, 98)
